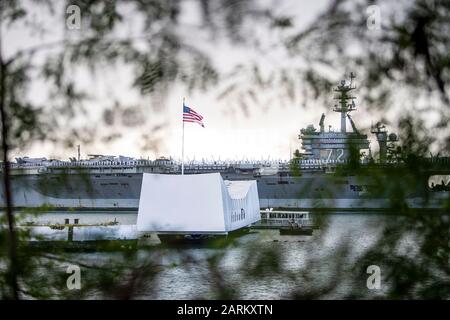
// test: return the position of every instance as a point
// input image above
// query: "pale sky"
(269, 130)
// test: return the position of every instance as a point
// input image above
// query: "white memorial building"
(196, 204)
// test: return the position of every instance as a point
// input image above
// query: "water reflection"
(299, 256)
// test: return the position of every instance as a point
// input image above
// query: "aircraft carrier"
(333, 170)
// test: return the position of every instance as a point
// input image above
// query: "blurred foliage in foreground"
(405, 62)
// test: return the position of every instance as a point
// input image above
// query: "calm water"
(306, 262)
(310, 256)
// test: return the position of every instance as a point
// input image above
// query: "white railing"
(203, 165)
(192, 165)
(90, 164)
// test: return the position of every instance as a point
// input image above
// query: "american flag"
(189, 115)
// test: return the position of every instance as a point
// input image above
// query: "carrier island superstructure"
(334, 170)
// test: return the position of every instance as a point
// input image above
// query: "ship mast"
(344, 98)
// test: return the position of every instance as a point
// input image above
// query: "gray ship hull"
(311, 190)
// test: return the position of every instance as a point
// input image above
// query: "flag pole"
(182, 144)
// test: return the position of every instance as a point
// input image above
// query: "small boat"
(299, 231)
(212, 240)
(186, 238)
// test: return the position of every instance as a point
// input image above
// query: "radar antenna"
(321, 123)
(344, 98)
(353, 124)
(380, 132)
